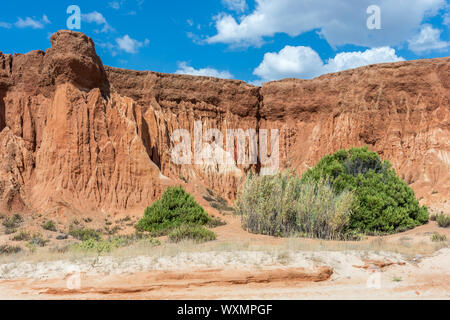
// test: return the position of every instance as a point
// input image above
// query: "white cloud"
(340, 22)
(5, 25)
(235, 5)
(446, 19)
(94, 16)
(184, 68)
(114, 4)
(97, 18)
(45, 19)
(32, 22)
(290, 62)
(130, 45)
(427, 40)
(349, 60)
(305, 63)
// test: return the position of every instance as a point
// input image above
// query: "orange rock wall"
(78, 136)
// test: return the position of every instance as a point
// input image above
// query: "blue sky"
(250, 40)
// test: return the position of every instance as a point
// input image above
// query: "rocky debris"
(80, 137)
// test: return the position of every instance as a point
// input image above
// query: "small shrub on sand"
(12, 222)
(107, 245)
(10, 231)
(49, 225)
(37, 240)
(83, 234)
(216, 222)
(436, 237)
(191, 232)
(175, 208)
(21, 236)
(6, 249)
(443, 220)
(100, 246)
(217, 202)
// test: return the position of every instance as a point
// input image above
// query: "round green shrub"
(384, 202)
(176, 207)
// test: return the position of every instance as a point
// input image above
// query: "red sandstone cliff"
(78, 136)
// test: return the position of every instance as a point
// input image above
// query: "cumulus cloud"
(97, 18)
(339, 22)
(5, 25)
(305, 63)
(427, 40)
(184, 68)
(130, 45)
(32, 22)
(235, 5)
(290, 62)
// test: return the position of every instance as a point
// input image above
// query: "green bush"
(12, 222)
(91, 244)
(285, 205)
(83, 234)
(6, 249)
(21, 236)
(443, 220)
(105, 246)
(217, 202)
(38, 240)
(191, 232)
(384, 203)
(175, 208)
(215, 222)
(98, 245)
(49, 225)
(10, 231)
(436, 237)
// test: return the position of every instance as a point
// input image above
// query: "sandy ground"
(236, 275)
(240, 265)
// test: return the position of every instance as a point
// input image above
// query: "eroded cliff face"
(77, 136)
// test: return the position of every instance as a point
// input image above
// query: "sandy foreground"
(243, 266)
(246, 275)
